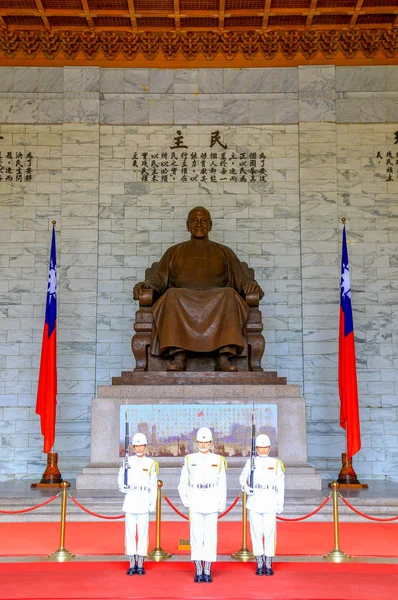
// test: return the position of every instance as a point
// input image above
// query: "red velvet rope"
(169, 502)
(90, 512)
(229, 508)
(366, 516)
(24, 510)
(309, 514)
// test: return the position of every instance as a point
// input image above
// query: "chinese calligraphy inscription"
(181, 164)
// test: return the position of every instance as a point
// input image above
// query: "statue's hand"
(139, 287)
(252, 287)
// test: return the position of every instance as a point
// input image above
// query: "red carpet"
(358, 539)
(292, 581)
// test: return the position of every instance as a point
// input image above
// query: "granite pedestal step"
(380, 500)
(198, 378)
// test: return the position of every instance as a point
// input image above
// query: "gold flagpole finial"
(54, 223)
(343, 220)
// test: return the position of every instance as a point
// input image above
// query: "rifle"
(126, 450)
(252, 454)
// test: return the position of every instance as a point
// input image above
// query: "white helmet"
(139, 439)
(204, 435)
(262, 441)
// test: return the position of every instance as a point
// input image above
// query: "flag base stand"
(347, 477)
(51, 477)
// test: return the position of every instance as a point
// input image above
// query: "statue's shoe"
(224, 364)
(177, 365)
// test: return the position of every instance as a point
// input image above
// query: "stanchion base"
(337, 556)
(158, 554)
(61, 555)
(244, 555)
(353, 486)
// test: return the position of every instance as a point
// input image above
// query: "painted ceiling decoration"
(174, 33)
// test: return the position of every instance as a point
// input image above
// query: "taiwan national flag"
(348, 390)
(47, 389)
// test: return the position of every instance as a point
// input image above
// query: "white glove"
(279, 509)
(221, 508)
(249, 490)
(124, 489)
(152, 507)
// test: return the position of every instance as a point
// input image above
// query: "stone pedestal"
(101, 473)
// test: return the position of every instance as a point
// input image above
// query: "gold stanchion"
(158, 553)
(336, 555)
(62, 554)
(244, 553)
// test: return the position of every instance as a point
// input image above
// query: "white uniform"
(265, 503)
(139, 501)
(203, 489)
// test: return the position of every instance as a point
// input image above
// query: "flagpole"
(348, 390)
(46, 404)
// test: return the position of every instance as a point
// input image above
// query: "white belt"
(203, 486)
(138, 488)
(266, 487)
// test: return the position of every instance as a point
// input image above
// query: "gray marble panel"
(211, 81)
(49, 111)
(51, 79)
(286, 111)
(285, 80)
(81, 79)
(260, 81)
(373, 110)
(186, 111)
(391, 78)
(317, 81)
(161, 111)
(373, 79)
(136, 81)
(161, 81)
(20, 110)
(111, 111)
(348, 79)
(348, 111)
(6, 77)
(136, 111)
(186, 81)
(210, 111)
(111, 81)
(235, 111)
(26, 79)
(81, 110)
(235, 81)
(317, 109)
(261, 111)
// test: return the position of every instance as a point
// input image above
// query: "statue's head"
(199, 222)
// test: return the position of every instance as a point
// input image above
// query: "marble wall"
(323, 130)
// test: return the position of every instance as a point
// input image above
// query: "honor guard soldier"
(264, 502)
(138, 480)
(203, 489)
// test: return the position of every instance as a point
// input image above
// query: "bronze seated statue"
(198, 308)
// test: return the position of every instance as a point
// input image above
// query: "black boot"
(260, 565)
(207, 572)
(131, 570)
(268, 566)
(198, 571)
(140, 565)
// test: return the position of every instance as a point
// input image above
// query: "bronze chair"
(248, 360)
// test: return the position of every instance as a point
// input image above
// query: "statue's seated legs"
(222, 364)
